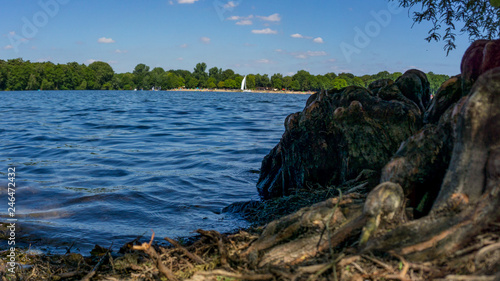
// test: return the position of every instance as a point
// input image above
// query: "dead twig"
(250, 276)
(214, 235)
(481, 253)
(402, 275)
(111, 261)
(192, 256)
(150, 251)
(94, 270)
(359, 268)
(384, 265)
(333, 265)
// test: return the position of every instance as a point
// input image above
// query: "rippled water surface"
(99, 166)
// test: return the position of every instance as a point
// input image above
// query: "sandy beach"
(239, 91)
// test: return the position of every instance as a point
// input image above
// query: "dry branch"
(192, 256)
(150, 251)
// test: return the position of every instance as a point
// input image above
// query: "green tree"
(156, 77)
(250, 81)
(356, 81)
(46, 85)
(33, 83)
(140, 72)
(215, 73)
(227, 74)
(287, 82)
(277, 81)
(295, 85)
(192, 83)
(82, 86)
(238, 79)
(304, 79)
(211, 83)
(481, 20)
(395, 75)
(230, 84)
(103, 72)
(199, 70)
(339, 83)
(436, 80)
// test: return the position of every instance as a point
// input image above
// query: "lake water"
(95, 167)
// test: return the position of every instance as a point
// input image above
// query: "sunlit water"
(97, 167)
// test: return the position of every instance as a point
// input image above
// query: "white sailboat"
(244, 85)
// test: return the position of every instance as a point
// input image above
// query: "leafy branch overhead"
(480, 19)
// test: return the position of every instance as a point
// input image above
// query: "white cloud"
(171, 2)
(112, 62)
(245, 22)
(242, 20)
(105, 40)
(274, 18)
(318, 40)
(186, 1)
(301, 56)
(90, 61)
(264, 31)
(184, 46)
(12, 33)
(263, 61)
(8, 47)
(230, 5)
(205, 40)
(118, 51)
(180, 59)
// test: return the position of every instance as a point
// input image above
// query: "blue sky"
(248, 36)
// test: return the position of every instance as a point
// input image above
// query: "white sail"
(244, 83)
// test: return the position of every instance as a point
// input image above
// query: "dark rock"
(475, 162)
(480, 57)
(421, 162)
(375, 86)
(334, 138)
(415, 86)
(449, 93)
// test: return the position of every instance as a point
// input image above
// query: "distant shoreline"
(239, 91)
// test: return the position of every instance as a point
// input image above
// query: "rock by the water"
(449, 93)
(414, 85)
(481, 56)
(335, 137)
(475, 162)
(375, 86)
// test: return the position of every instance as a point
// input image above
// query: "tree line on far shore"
(20, 75)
